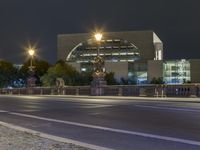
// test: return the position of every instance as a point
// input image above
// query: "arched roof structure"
(112, 50)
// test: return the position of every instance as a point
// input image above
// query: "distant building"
(133, 55)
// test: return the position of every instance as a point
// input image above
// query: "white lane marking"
(168, 108)
(146, 135)
(3, 111)
(52, 137)
(96, 106)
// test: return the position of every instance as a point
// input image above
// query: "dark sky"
(176, 22)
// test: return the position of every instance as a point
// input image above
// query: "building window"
(176, 72)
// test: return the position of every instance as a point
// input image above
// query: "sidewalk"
(11, 139)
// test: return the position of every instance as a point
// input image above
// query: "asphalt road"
(112, 123)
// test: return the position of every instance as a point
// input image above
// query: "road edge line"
(147, 135)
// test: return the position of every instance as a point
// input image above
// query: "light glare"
(31, 52)
(98, 36)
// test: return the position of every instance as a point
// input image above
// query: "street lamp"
(31, 79)
(98, 60)
(98, 37)
(31, 53)
(98, 82)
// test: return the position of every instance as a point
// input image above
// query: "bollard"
(63, 92)
(120, 91)
(41, 91)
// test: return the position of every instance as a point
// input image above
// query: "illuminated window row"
(108, 47)
(109, 54)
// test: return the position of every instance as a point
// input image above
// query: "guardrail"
(183, 90)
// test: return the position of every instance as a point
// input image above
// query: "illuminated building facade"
(176, 71)
(125, 53)
(134, 55)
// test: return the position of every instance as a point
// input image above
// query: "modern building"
(125, 53)
(134, 55)
(175, 71)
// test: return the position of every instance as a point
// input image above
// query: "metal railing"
(183, 90)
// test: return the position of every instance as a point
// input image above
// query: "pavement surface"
(123, 123)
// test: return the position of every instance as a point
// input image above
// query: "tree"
(110, 79)
(8, 73)
(85, 78)
(40, 69)
(157, 81)
(61, 70)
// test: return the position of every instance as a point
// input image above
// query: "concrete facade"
(195, 70)
(154, 69)
(120, 70)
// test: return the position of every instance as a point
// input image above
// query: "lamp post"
(31, 53)
(98, 37)
(98, 82)
(31, 79)
(98, 61)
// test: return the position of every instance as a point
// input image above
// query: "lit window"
(159, 55)
(114, 60)
(109, 47)
(123, 46)
(109, 40)
(83, 69)
(122, 53)
(86, 54)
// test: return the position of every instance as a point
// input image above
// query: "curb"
(153, 99)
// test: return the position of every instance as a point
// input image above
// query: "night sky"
(176, 22)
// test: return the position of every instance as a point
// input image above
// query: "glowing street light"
(98, 82)
(98, 37)
(31, 52)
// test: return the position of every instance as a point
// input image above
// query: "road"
(121, 124)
